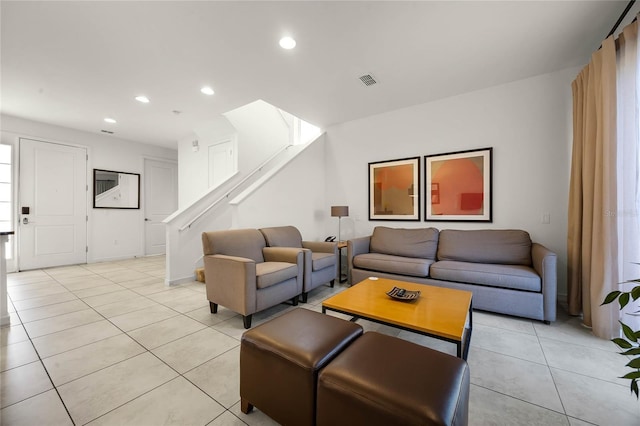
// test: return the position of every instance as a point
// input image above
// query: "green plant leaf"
(622, 344)
(628, 332)
(611, 297)
(633, 375)
(634, 387)
(624, 299)
(634, 363)
(635, 293)
(634, 351)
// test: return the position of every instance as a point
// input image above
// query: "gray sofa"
(504, 269)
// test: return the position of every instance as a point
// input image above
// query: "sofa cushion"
(419, 242)
(393, 264)
(270, 273)
(322, 260)
(500, 246)
(516, 277)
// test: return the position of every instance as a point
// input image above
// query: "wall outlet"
(546, 218)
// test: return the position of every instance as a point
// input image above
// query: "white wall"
(528, 124)
(111, 234)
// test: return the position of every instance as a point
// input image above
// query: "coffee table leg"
(467, 340)
(324, 310)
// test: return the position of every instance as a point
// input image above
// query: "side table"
(343, 277)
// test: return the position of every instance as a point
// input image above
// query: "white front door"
(160, 200)
(52, 207)
(221, 162)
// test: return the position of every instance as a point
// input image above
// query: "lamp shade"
(339, 211)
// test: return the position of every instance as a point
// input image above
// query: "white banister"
(216, 202)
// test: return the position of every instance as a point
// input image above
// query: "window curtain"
(596, 196)
(628, 166)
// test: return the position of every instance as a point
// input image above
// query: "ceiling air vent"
(106, 131)
(368, 80)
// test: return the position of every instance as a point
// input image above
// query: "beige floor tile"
(572, 331)
(219, 377)
(503, 321)
(578, 422)
(233, 327)
(170, 294)
(596, 401)
(68, 272)
(127, 275)
(177, 402)
(519, 345)
(99, 268)
(96, 394)
(205, 316)
(143, 317)
(26, 277)
(165, 331)
(37, 302)
(579, 359)
(97, 291)
(17, 354)
(195, 349)
(121, 307)
(255, 418)
(62, 341)
(149, 289)
(23, 382)
(12, 334)
(35, 314)
(188, 303)
(227, 419)
(61, 322)
(487, 407)
(82, 283)
(48, 290)
(525, 380)
(17, 290)
(141, 282)
(112, 297)
(44, 409)
(84, 360)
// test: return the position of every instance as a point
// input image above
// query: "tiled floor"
(109, 344)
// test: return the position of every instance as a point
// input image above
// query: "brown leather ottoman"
(280, 359)
(384, 380)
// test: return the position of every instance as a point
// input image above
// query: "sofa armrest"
(355, 247)
(283, 254)
(321, 246)
(231, 281)
(545, 264)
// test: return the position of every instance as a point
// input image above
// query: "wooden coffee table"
(438, 312)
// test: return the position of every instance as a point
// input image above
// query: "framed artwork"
(115, 190)
(458, 186)
(394, 189)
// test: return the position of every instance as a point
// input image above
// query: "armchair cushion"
(270, 273)
(235, 242)
(282, 236)
(322, 260)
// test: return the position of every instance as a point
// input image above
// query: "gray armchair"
(246, 276)
(320, 258)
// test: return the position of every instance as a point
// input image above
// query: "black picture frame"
(116, 190)
(394, 190)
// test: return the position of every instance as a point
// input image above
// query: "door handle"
(25, 221)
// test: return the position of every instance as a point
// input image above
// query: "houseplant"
(631, 345)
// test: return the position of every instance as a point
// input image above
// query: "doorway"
(52, 205)
(160, 200)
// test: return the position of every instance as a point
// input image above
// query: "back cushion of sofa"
(501, 246)
(420, 242)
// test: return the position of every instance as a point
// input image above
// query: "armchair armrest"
(545, 264)
(231, 282)
(283, 254)
(355, 247)
(321, 246)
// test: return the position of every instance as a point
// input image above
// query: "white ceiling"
(73, 63)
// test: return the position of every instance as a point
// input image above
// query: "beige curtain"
(592, 239)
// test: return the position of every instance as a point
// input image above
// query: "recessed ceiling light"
(207, 90)
(287, 43)
(142, 99)
(110, 120)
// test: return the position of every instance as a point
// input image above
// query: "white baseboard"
(5, 320)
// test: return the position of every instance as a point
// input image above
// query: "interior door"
(52, 208)
(160, 200)
(221, 162)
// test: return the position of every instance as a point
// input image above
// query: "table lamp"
(339, 212)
